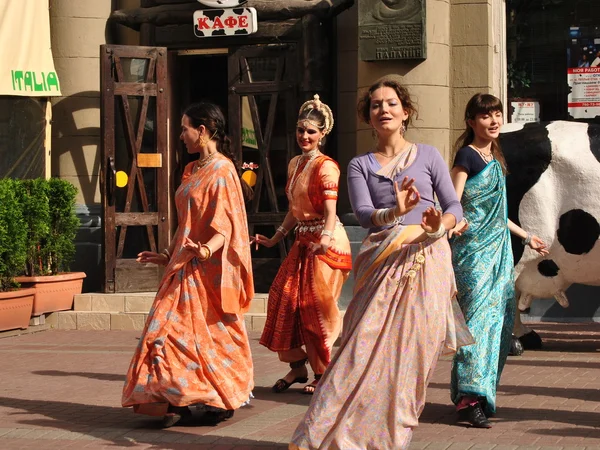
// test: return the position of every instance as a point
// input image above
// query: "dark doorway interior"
(201, 77)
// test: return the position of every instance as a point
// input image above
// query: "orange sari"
(194, 348)
(302, 307)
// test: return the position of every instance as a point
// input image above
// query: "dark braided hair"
(316, 116)
(211, 116)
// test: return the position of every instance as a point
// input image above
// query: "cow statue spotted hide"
(552, 185)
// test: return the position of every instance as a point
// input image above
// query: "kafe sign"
(225, 22)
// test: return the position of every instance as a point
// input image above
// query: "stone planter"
(15, 308)
(53, 292)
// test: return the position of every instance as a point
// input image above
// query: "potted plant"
(15, 304)
(49, 212)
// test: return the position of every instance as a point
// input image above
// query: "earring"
(402, 129)
(202, 141)
(320, 143)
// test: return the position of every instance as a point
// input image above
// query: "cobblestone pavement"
(61, 389)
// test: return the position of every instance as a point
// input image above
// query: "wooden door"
(268, 76)
(135, 181)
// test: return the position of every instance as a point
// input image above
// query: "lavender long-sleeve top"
(370, 191)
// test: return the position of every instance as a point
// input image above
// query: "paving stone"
(108, 303)
(61, 389)
(127, 321)
(93, 321)
(138, 303)
(82, 302)
(67, 320)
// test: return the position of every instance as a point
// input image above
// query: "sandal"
(309, 389)
(282, 385)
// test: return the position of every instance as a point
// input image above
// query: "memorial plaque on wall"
(391, 29)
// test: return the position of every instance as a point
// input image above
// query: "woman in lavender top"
(404, 313)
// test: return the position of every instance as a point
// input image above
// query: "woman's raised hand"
(152, 258)
(407, 196)
(259, 239)
(432, 220)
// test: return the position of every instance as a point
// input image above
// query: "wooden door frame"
(281, 89)
(112, 86)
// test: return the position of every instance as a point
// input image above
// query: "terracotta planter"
(15, 308)
(53, 292)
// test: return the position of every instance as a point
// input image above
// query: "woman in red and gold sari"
(302, 308)
(194, 349)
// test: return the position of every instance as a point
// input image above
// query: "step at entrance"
(96, 311)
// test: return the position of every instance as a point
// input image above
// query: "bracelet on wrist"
(282, 230)
(527, 239)
(439, 233)
(209, 252)
(327, 233)
(166, 253)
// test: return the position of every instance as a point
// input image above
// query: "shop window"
(22, 135)
(551, 45)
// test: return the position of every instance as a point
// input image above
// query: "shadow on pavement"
(445, 414)
(509, 390)
(293, 396)
(121, 427)
(91, 375)
(569, 432)
(538, 363)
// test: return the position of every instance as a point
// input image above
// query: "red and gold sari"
(194, 348)
(302, 308)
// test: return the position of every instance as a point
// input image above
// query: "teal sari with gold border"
(483, 265)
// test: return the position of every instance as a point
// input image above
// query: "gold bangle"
(166, 253)
(209, 252)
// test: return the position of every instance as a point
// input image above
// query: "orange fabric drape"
(194, 348)
(302, 307)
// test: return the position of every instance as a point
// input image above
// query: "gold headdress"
(318, 105)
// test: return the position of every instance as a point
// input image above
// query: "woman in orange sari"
(302, 308)
(194, 349)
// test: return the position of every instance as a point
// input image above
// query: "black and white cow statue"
(553, 182)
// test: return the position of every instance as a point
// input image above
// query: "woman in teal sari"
(483, 261)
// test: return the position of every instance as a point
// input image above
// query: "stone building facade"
(465, 55)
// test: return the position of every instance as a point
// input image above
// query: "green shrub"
(13, 233)
(36, 212)
(63, 225)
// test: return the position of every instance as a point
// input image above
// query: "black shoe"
(516, 347)
(531, 341)
(213, 418)
(176, 414)
(475, 416)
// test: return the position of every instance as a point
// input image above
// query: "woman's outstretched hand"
(432, 220)
(259, 239)
(152, 258)
(407, 196)
(538, 245)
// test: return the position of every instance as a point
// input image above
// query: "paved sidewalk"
(61, 389)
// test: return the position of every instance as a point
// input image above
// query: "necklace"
(200, 163)
(487, 157)
(308, 157)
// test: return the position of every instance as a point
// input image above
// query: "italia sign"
(225, 22)
(34, 81)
